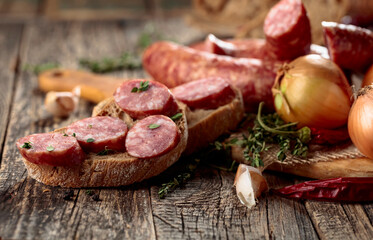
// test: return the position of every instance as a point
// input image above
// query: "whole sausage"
(96, 134)
(207, 93)
(173, 65)
(240, 48)
(247, 48)
(141, 98)
(152, 136)
(288, 30)
(349, 46)
(53, 149)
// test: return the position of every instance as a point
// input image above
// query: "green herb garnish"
(176, 116)
(104, 152)
(89, 192)
(178, 180)
(50, 148)
(143, 87)
(90, 126)
(126, 61)
(271, 129)
(65, 135)
(154, 126)
(26, 145)
(89, 140)
(37, 69)
(74, 135)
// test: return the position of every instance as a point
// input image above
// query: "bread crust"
(114, 169)
(205, 126)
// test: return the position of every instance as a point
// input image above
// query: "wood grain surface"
(205, 208)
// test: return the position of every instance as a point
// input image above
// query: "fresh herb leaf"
(104, 152)
(89, 140)
(26, 145)
(74, 135)
(90, 126)
(37, 69)
(143, 87)
(65, 135)
(176, 116)
(154, 126)
(50, 148)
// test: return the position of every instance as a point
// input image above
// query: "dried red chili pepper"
(329, 136)
(349, 189)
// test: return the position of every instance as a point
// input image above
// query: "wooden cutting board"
(339, 161)
(94, 87)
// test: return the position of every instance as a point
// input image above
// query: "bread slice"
(204, 126)
(114, 169)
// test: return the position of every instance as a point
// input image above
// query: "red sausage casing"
(152, 136)
(96, 134)
(53, 149)
(173, 65)
(154, 99)
(207, 93)
(288, 30)
(349, 46)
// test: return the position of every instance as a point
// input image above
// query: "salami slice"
(208, 93)
(96, 134)
(288, 30)
(349, 46)
(53, 149)
(152, 136)
(140, 98)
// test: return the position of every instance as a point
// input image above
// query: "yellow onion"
(360, 121)
(368, 77)
(312, 91)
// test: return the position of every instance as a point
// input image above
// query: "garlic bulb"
(249, 183)
(62, 104)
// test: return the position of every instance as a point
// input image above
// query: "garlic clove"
(250, 184)
(62, 104)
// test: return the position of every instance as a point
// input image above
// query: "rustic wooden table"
(205, 208)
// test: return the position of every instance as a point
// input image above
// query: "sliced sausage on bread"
(209, 112)
(119, 167)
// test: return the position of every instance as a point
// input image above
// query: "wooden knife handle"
(94, 87)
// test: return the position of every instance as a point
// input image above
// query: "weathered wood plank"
(26, 210)
(340, 221)
(287, 219)
(10, 37)
(206, 208)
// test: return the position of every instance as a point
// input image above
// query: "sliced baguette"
(110, 170)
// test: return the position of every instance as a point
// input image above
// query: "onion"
(312, 91)
(360, 121)
(368, 78)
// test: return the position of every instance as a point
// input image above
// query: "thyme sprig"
(180, 179)
(271, 129)
(126, 61)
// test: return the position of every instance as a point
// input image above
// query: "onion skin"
(360, 121)
(314, 92)
(368, 77)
